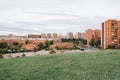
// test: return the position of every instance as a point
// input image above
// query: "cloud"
(60, 16)
(55, 13)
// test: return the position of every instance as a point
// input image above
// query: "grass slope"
(101, 65)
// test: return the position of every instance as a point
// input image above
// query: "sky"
(22, 17)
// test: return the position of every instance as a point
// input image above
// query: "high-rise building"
(90, 33)
(49, 36)
(43, 35)
(83, 35)
(97, 33)
(34, 36)
(110, 33)
(55, 35)
(78, 35)
(70, 35)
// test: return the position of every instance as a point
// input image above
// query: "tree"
(1, 55)
(98, 42)
(3, 45)
(51, 42)
(16, 46)
(15, 43)
(84, 41)
(40, 46)
(92, 41)
(47, 44)
(35, 50)
(112, 46)
(27, 41)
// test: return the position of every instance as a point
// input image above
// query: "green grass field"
(99, 65)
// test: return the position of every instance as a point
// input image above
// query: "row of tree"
(45, 45)
(76, 42)
(95, 42)
(17, 47)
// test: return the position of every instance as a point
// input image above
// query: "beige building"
(70, 35)
(43, 35)
(55, 35)
(78, 35)
(49, 36)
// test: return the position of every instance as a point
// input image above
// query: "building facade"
(43, 36)
(90, 33)
(110, 33)
(34, 36)
(70, 35)
(78, 35)
(49, 36)
(55, 35)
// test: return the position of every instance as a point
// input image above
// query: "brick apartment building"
(92, 33)
(110, 33)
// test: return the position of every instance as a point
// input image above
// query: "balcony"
(114, 27)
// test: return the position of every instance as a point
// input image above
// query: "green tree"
(92, 41)
(35, 50)
(98, 42)
(51, 42)
(1, 55)
(27, 41)
(16, 46)
(47, 44)
(112, 46)
(3, 45)
(40, 46)
(15, 43)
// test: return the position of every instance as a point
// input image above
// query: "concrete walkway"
(43, 52)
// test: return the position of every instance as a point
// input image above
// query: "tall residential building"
(43, 35)
(49, 36)
(83, 35)
(92, 33)
(78, 35)
(70, 35)
(34, 36)
(110, 33)
(64, 37)
(97, 33)
(55, 35)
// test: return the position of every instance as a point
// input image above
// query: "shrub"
(35, 50)
(23, 55)
(52, 51)
(17, 56)
(1, 55)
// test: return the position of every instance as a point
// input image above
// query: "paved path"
(43, 52)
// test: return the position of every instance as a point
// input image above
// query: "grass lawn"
(99, 65)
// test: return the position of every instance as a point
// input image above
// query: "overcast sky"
(21, 17)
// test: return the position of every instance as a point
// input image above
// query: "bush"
(1, 55)
(35, 50)
(17, 56)
(52, 51)
(23, 55)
